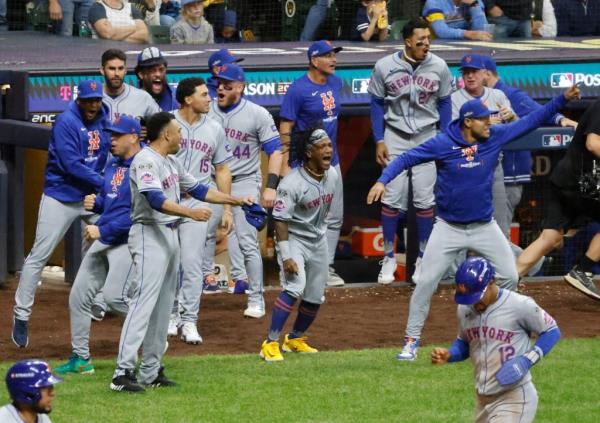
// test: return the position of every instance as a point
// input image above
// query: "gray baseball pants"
(155, 252)
(105, 267)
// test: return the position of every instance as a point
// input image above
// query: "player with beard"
(121, 98)
(151, 71)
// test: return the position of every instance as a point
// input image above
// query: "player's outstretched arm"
(281, 230)
(439, 356)
(223, 180)
(376, 192)
(218, 197)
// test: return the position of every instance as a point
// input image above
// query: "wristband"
(284, 250)
(534, 355)
(272, 181)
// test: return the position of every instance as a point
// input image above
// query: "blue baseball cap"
(230, 18)
(489, 63)
(472, 279)
(186, 2)
(125, 125)
(474, 109)
(89, 88)
(471, 61)
(222, 57)
(320, 48)
(231, 72)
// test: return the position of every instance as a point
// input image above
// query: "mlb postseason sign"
(51, 94)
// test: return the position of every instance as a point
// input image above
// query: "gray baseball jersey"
(494, 99)
(411, 96)
(151, 171)
(9, 414)
(247, 127)
(131, 102)
(304, 202)
(500, 333)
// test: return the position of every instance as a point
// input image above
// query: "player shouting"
(303, 201)
(466, 157)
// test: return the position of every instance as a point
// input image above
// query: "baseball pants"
(518, 405)
(54, 219)
(335, 217)
(104, 266)
(155, 252)
(445, 243)
(423, 175)
(313, 270)
(247, 236)
(192, 236)
(238, 268)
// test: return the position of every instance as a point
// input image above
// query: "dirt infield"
(351, 318)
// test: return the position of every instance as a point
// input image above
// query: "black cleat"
(161, 380)
(20, 334)
(126, 383)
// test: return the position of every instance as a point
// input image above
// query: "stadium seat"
(160, 34)
(396, 32)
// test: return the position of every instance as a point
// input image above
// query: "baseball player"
(410, 93)
(466, 157)
(30, 384)
(157, 179)
(203, 146)
(573, 201)
(215, 61)
(313, 98)
(303, 201)
(249, 129)
(121, 98)
(107, 264)
(151, 71)
(495, 328)
(76, 156)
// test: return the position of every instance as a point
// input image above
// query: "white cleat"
(386, 274)
(189, 333)
(174, 323)
(254, 311)
(334, 279)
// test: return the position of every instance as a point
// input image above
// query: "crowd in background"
(227, 21)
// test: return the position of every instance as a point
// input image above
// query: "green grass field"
(349, 386)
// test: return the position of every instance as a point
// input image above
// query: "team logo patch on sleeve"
(279, 206)
(147, 178)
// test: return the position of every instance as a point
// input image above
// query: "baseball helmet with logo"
(472, 279)
(25, 379)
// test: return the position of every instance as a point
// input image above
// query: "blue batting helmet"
(472, 279)
(25, 379)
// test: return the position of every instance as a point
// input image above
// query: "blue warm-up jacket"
(77, 154)
(114, 203)
(465, 172)
(517, 164)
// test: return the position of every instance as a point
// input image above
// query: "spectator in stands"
(3, 20)
(315, 18)
(372, 21)
(169, 12)
(117, 20)
(192, 28)
(214, 12)
(229, 33)
(544, 20)
(512, 18)
(457, 19)
(149, 9)
(577, 17)
(65, 12)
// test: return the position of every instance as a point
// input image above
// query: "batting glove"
(513, 370)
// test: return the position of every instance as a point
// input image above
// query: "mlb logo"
(561, 80)
(552, 140)
(360, 86)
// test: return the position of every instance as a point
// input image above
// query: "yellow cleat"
(298, 345)
(270, 351)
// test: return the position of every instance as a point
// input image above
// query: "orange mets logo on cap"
(461, 288)
(93, 85)
(468, 59)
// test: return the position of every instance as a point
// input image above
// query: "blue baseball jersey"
(167, 100)
(306, 103)
(465, 172)
(114, 203)
(77, 154)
